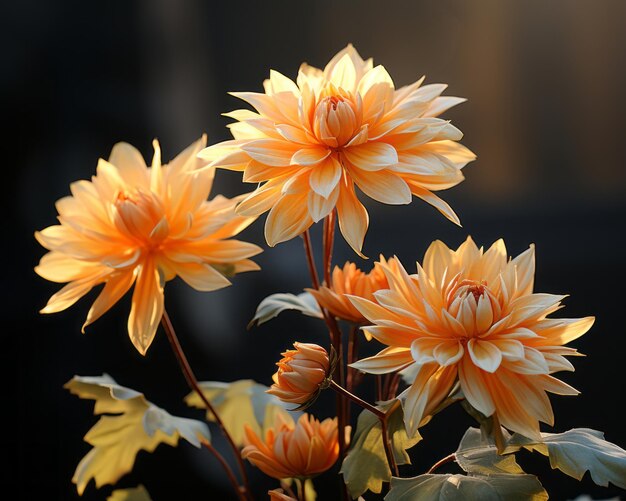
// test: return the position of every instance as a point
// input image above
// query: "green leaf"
(478, 456)
(365, 467)
(239, 403)
(579, 450)
(131, 424)
(136, 494)
(272, 305)
(496, 487)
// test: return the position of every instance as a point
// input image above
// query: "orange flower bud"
(302, 374)
(290, 450)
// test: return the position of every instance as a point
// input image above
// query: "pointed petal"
(288, 218)
(325, 176)
(353, 218)
(114, 289)
(484, 354)
(387, 360)
(372, 156)
(147, 307)
(383, 186)
(320, 207)
(310, 156)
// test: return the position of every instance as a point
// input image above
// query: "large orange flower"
(132, 224)
(312, 140)
(290, 450)
(472, 315)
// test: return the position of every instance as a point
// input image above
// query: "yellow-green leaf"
(365, 467)
(477, 455)
(272, 305)
(239, 403)
(494, 487)
(577, 451)
(131, 424)
(135, 494)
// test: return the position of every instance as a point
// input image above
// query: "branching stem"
(192, 381)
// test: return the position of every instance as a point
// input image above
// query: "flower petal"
(310, 156)
(147, 307)
(353, 218)
(320, 207)
(201, 276)
(372, 156)
(484, 354)
(114, 289)
(273, 152)
(474, 387)
(288, 218)
(325, 176)
(383, 186)
(387, 360)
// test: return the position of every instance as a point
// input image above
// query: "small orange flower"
(472, 316)
(133, 224)
(311, 141)
(350, 280)
(291, 450)
(301, 374)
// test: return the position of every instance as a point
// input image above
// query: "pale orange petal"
(114, 289)
(288, 218)
(147, 308)
(325, 176)
(372, 156)
(384, 186)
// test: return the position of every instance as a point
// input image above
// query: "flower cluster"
(468, 325)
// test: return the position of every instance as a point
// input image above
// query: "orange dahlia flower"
(312, 140)
(133, 224)
(350, 280)
(301, 374)
(290, 450)
(473, 316)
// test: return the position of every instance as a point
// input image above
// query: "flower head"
(290, 450)
(301, 374)
(473, 316)
(350, 280)
(310, 141)
(133, 224)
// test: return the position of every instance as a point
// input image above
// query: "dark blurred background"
(545, 83)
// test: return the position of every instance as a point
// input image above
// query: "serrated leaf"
(275, 304)
(365, 467)
(478, 456)
(131, 424)
(135, 494)
(239, 403)
(496, 487)
(579, 450)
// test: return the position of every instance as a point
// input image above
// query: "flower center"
(140, 215)
(337, 118)
(473, 305)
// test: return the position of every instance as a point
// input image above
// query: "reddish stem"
(193, 384)
(229, 472)
(382, 416)
(441, 462)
